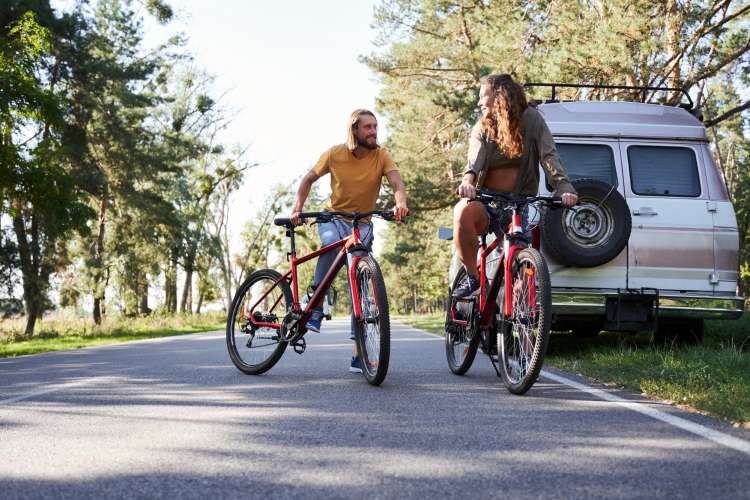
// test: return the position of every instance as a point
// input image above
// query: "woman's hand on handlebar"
(467, 190)
(569, 199)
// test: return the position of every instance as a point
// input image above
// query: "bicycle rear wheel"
(373, 330)
(460, 342)
(256, 350)
(524, 336)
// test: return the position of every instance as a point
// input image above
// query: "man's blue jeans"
(331, 232)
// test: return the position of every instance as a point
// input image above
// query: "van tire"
(594, 234)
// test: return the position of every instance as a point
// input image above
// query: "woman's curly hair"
(504, 122)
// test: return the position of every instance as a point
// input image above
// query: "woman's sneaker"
(356, 365)
(468, 287)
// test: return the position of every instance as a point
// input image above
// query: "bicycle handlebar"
(327, 216)
(489, 196)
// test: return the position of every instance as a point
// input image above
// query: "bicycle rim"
(460, 345)
(256, 350)
(524, 336)
(373, 330)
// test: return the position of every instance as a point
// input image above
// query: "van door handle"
(645, 212)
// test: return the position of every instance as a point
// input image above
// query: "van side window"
(663, 171)
(588, 160)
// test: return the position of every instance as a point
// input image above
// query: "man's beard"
(365, 144)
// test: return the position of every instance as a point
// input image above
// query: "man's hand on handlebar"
(400, 211)
(295, 218)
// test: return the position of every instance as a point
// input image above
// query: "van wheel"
(593, 234)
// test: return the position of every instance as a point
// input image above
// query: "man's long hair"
(504, 121)
(351, 137)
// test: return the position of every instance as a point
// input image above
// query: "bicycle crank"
(290, 331)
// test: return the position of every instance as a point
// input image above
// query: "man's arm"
(302, 193)
(399, 190)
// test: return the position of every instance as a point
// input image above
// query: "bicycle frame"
(488, 299)
(346, 245)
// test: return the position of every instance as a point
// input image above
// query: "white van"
(677, 263)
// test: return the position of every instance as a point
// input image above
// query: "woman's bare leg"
(469, 221)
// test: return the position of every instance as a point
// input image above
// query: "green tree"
(433, 53)
(38, 188)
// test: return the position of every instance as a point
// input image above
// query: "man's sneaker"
(313, 324)
(468, 287)
(356, 365)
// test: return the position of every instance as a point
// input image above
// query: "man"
(357, 168)
(506, 147)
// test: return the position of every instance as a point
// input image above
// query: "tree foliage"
(110, 160)
(432, 54)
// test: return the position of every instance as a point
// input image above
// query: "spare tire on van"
(592, 234)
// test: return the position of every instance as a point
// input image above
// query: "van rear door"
(726, 235)
(672, 241)
(594, 159)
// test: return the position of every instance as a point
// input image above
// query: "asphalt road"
(172, 418)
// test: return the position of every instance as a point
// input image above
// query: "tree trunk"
(672, 29)
(34, 266)
(200, 299)
(170, 285)
(143, 296)
(186, 304)
(98, 259)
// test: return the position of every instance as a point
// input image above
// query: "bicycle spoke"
(254, 349)
(373, 328)
(527, 335)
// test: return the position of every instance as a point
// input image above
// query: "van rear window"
(663, 171)
(588, 160)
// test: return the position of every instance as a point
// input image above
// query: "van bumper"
(574, 303)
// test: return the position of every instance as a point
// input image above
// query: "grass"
(55, 335)
(713, 377)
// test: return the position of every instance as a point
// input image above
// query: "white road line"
(679, 422)
(697, 429)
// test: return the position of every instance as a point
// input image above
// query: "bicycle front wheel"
(524, 336)
(373, 330)
(460, 341)
(255, 350)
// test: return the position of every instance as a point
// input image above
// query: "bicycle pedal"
(299, 346)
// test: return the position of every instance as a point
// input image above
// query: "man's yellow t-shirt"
(355, 182)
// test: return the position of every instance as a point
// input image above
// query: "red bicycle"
(515, 335)
(266, 315)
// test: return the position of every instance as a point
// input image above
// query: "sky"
(292, 76)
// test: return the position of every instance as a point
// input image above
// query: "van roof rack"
(643, 90)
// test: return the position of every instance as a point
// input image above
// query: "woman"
(505, 148)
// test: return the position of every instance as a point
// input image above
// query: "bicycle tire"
(467, 347)
(233, 321)
(523, 338)
(373, 331)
